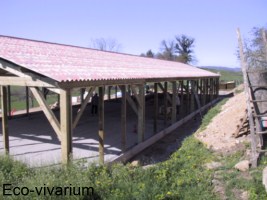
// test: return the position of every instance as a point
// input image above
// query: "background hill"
(227, 73)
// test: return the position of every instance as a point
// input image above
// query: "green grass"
(183, 176)
(228, 75)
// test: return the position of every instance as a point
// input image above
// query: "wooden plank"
(101, 131)
(123, 117)
(141, 119)
(156, 107)
(5, 131)
(83, 106)
(254, 154)
(174, 99)
(66, 125)
(147, 143)
(47, 111)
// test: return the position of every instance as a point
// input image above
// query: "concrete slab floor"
(34, 142)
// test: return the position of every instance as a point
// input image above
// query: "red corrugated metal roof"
(71, 63)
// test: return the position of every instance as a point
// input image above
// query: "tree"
(103, 44)
(149, 54)
(167, 51)
(255, 50)
(184, 48)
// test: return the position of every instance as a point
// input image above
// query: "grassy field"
(228, 75)
(183, 176)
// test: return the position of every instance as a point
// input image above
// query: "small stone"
(213, 165)
(135, 163)
(148, 166)
(242, 165)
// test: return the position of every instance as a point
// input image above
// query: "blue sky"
(138, 25)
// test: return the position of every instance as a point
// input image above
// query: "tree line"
(180, 50)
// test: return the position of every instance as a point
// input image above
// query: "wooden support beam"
(174, 101)
(133, 88)
(156, 107)
(101, 124)
(109, 92)
(16, 70)
(187, 97)
(27, 100)
(47, 111)
(23, 81)
(182, 98)
(141, 114)
(66, 125)
(123, 117)
(9, 100)
(196, 95)
(116, 91)
(82, 91)
(83, 106)
(165, 91)
(253, 137)
(192, 99)
(131, 103)
(4, 118)
(165, 103)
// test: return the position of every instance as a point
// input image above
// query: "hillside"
(227, 74)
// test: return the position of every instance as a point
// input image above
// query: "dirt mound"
(218, 134)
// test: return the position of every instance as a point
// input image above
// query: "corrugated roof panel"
(70, 63)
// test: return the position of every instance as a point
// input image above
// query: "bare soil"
(218, 136)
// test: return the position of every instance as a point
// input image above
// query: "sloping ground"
(218, 134)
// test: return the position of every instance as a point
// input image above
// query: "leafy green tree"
(149, 54)
(184, 48)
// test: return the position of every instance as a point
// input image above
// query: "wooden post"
(66, 125)
(174, 98)
(211, 89)
(123, 117)
(264, 42)
(116, 91)
(109, 92)
(4, 118)
(27, 101)
(165, 103)
(82, 91)
(192, 99)
(156, 109)
(9, 100)
(101, 124)
(141, 111)
(253, 137)
(182, 99)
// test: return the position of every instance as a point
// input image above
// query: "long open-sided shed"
(62, 68)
